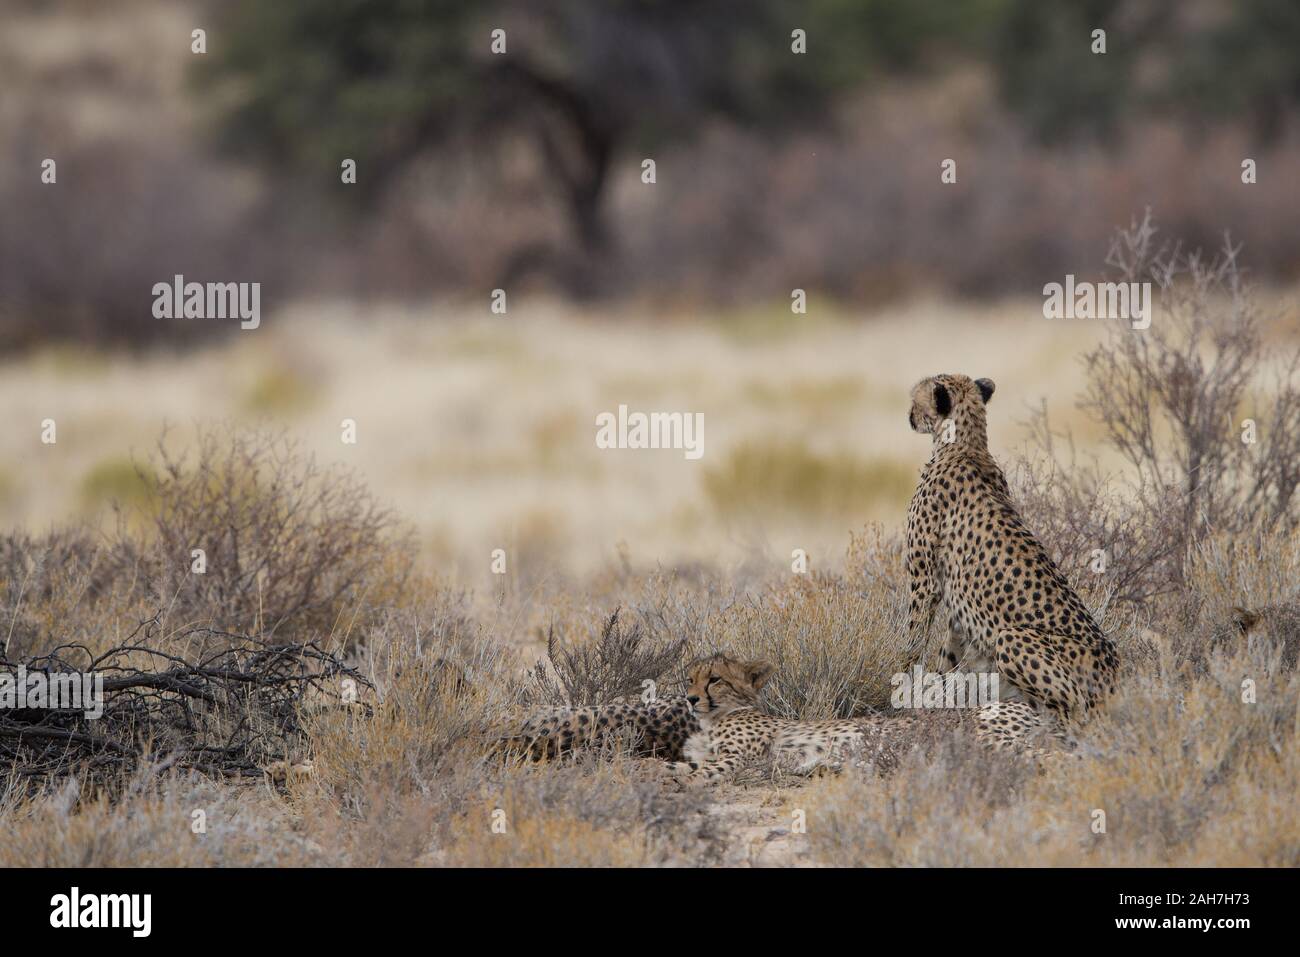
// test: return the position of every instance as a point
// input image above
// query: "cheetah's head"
(720, 684)
(935, 398)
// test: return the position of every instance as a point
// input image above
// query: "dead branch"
(227, 712)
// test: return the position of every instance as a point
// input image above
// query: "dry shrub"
(834, 647)
(1172, 400)
(288, 545)
(63, 587)
(286, 540)
(836, 640)
(1075, 510)
(224, 704)
(293, 553)
(151, 825)
(661, 621)
(439, 691)
(399, 782)
(936, 810)
(1186, 772)
(1237, 584)
(597, 814)
(615, 664)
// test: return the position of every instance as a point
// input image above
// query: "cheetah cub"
(1009, 607)
(724, 692)
(658, 728)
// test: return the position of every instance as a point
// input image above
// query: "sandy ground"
(759, 828)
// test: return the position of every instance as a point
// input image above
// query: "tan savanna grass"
(1195, 760)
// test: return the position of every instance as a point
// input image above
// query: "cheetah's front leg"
(953, 650)
(923, 599)
(707, 772)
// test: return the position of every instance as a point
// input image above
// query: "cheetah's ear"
(942, 400)
(986, 388)
(757, 673)
(1244, 619)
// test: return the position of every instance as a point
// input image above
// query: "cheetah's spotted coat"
(653, 729)
(1009, 607)
(734, 734)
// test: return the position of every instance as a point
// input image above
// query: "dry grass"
(761, 478)
(283, 541)
(478, 430)
(1196, 760)
(494, 446)
(1185, 771)
(154, 827)
(406, 785)
(835, 645)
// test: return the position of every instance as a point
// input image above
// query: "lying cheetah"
(715, 729)
(656, 728)
(724, 692)
(733, 734)
(1009, 606)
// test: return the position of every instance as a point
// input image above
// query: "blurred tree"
(1207, 58)
(382, 81)
(1048, 72)
(1247, 64)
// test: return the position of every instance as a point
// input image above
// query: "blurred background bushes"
(522, 170)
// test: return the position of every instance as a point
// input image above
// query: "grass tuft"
(758, 478)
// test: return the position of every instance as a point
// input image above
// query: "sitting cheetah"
(1009, 607)
(657, 728)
